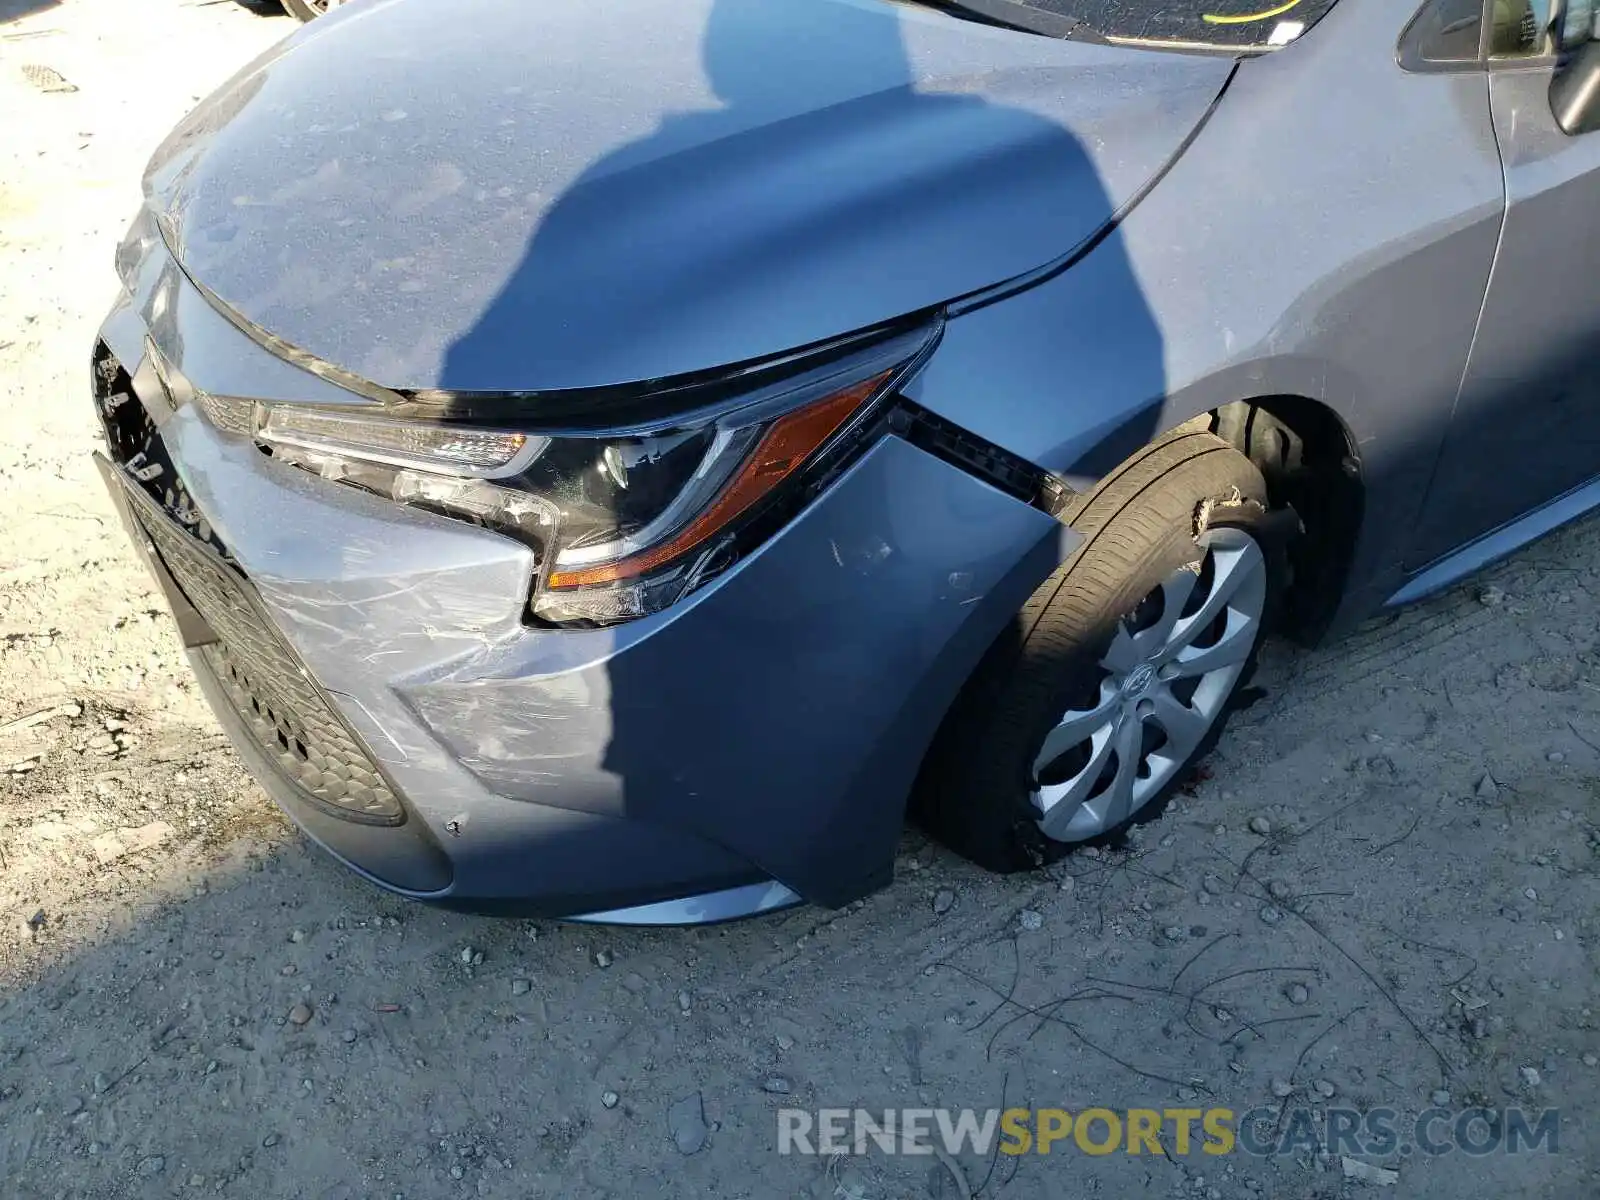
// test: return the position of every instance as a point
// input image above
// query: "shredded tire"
(1139, 525)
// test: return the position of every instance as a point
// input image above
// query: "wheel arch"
(1311, 462)
(1309, 454)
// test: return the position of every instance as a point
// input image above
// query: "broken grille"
(135, 444)
(282, 710)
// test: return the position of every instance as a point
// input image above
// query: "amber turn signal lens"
(784, 447)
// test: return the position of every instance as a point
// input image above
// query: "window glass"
(1518, 29)
(1448, 31)
(1233, 24)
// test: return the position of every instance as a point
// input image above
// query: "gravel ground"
(1384, 891)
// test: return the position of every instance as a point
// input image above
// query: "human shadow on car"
(755, 715)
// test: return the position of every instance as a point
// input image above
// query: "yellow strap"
(1213, 19)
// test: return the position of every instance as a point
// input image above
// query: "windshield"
(1230, 24)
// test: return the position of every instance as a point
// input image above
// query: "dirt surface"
(193, 1002)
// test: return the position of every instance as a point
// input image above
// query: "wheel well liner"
(1309, 460)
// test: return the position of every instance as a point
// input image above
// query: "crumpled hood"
(482, 195)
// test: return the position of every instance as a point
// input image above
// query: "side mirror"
(1575, 90)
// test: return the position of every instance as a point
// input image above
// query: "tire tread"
(968, 795)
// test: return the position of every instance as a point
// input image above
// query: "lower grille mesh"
(283, 710)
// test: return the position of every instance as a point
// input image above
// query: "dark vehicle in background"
(612, 457)
(305, 10)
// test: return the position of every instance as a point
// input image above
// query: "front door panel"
(1527, 423)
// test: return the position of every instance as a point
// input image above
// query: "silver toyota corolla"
(610, 459)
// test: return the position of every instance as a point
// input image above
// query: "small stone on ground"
(686, 1122)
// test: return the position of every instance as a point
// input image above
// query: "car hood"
(484, 195)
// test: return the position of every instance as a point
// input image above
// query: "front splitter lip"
(708, 908)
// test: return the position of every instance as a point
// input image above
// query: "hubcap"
(1169, 670)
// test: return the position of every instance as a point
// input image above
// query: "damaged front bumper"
(750, 746)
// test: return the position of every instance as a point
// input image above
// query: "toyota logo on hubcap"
(1139, 679)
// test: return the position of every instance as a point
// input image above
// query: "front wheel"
(1119, 671)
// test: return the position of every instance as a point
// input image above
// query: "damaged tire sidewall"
(1242, 507)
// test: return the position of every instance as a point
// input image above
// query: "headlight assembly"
(624, 521)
